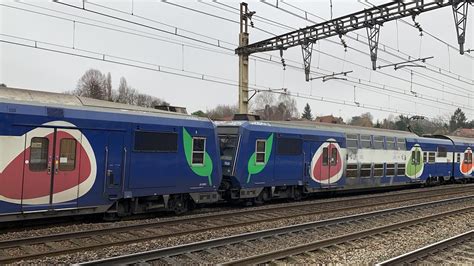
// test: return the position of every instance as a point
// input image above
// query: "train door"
(326, 164)
(417, 162)
(52, 166)
(115, 162)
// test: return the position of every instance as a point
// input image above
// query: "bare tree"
(91, 85)
(124, 92)
(364, 120)
(222, 111)
(108, 86)
(269, 108)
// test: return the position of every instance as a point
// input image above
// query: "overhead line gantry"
(371, 19)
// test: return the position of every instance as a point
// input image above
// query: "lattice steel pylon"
(307, 50)
(460, 21)
(373, 33)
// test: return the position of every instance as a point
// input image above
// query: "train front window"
(228, 145)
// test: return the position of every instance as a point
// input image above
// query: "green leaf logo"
(200, 170)
(253, 167)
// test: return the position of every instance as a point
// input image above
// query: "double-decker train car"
(263, 160)
(64, 155)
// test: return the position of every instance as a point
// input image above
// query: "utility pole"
(244, 60)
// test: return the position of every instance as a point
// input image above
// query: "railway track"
(318, 235)
(65, 243)
(455, 250)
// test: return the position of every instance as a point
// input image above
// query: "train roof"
(341, 128)
(61, 100)
(455, 139)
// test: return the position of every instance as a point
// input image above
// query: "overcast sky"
(437, 90)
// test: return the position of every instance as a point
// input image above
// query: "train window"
(288, 146)
(390, 169)
(39, 154)
(431, 157)
(351, 170)
(260, 151)
(365, 142)
(401, 144)
(458, 157)
(155, 142)
(442, 151)
(425, 157)
(352, 141)
(378, 170)
(67, 155)
(467, 158)
(391, 143)
(325, 156)
(416, 157)
(334, 156)
(366, 170)
(199, 149)
(400, 169)
(379, 143)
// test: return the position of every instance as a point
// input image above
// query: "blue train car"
(63, 155)
(287, 159)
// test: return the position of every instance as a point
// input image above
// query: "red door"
(51, 171)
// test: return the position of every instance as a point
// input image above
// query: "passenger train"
(63, 155)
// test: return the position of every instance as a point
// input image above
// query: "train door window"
(365, 142)
(351, 170)
(458, 159)
(467, 158)
(378, 170)
(39, 154)
(260, 151)
(325, 156)
(442, 152)
(431, 157)
(199, 149)
(400, 169)
(401, 144)
(352, 141)
(334, 156)
(366, 170)
(379, 143)
(67, 155)
(390, 171)
(391, 143)
(416, 157)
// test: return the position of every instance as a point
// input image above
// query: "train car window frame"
(65, 157)
(390, 169)
(289, 146)
(352, 141)
(378, 170)
(403, 168)
(259, 154)
(401, 144)
(431, 157)
(42, 165)
(379, 142)
(364, 168)
(390, 143)
(172, 148)
(442, 152)
(458, 157)
(198, 156)
(364, 140)
(425, 157)
(352, 168)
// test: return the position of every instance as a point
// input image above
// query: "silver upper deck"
(61, 100)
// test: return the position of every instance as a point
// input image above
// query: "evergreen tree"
(307, 113)
(458, 120)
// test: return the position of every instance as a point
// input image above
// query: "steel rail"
(208, 244)
(149, 234)
(428, 250)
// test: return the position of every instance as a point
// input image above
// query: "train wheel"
(262, 197)
(179, 204)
